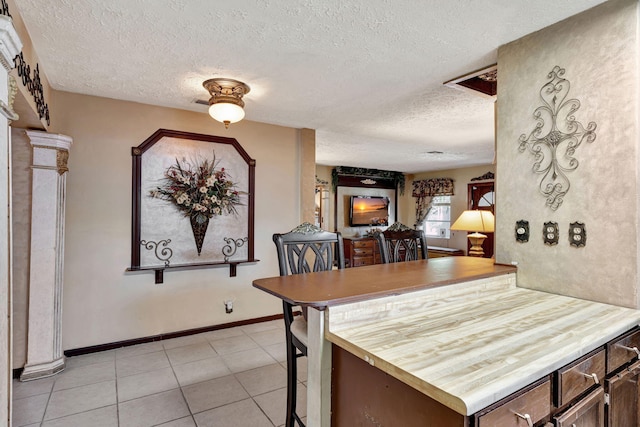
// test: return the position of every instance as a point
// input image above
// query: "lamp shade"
(476, 221)
(226, 112)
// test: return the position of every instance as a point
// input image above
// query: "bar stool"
(305, 249)
(401, 243)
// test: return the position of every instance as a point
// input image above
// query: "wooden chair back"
(404, 244)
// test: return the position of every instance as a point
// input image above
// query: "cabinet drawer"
(536, 403)
(621, 350)
(577, 378)
(360, 261)
(362, 244)
(363, 252)
(587, 412)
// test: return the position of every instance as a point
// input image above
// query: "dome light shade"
(226, 113)
(226, 104)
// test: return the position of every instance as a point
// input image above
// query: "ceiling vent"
(483, 82)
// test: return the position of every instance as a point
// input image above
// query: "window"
(438, 220)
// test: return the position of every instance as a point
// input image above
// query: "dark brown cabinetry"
(359, 251)
(623, 381)
(588, 412)
(600, 389)
(526, 409)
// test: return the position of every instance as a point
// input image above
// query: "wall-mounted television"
(369, 211)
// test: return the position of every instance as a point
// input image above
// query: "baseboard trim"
(160, 337)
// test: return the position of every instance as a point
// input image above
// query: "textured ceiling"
(366, 74)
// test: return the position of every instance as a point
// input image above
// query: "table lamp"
(477, 222)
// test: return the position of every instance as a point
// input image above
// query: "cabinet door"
(623, 397)
(588, 412)
(523, 410)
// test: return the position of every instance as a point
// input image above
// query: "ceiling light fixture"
(226, 104)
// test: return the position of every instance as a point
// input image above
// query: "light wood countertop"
(471, 344)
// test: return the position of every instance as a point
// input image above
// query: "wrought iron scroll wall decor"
(232, 246)
(34, 85)
(555, 138)
(161, 249)
(191, 190)
(5, 9)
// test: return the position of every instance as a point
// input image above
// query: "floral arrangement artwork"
(199, 191)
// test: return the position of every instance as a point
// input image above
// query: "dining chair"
(401, 243)
(305, 249)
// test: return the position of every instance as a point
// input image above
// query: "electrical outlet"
(228, 306)
(443, 232)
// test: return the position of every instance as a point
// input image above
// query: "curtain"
(424, 190)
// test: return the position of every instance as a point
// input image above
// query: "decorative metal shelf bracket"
(159, 270)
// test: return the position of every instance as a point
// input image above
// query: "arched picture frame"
(192, 203)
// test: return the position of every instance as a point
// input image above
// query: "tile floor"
(228, 378)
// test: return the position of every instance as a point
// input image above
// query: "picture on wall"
(192, 201)
(369, 211)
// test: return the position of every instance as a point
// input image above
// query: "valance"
(395, 177)
(433, 187)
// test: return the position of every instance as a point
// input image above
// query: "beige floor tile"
(29, 410)
(240, 414)
(146, 383)
(183, 341)
(233, 344)
(80, 399)
(247, 359)
(137, 350)
(101, 417)
(274, 404)
(89, 359)
(223, 333)
(268, 337)
(145, 379)
(182, 422)
(190, 353)
(264, 379)
(153, 410)
(201, 370)
(142, 363)
(32, 388)
(277, 351)
(262, 326)
(214, 393)
(87, 374)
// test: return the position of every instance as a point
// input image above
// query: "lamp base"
(476, 240)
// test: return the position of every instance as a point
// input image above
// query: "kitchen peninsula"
(455, 336)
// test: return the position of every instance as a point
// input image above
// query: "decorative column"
(44, 341)
(10, 46)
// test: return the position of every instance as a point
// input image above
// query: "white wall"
(599, 49)
(102, 302)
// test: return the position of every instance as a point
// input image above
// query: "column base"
(42, 370)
